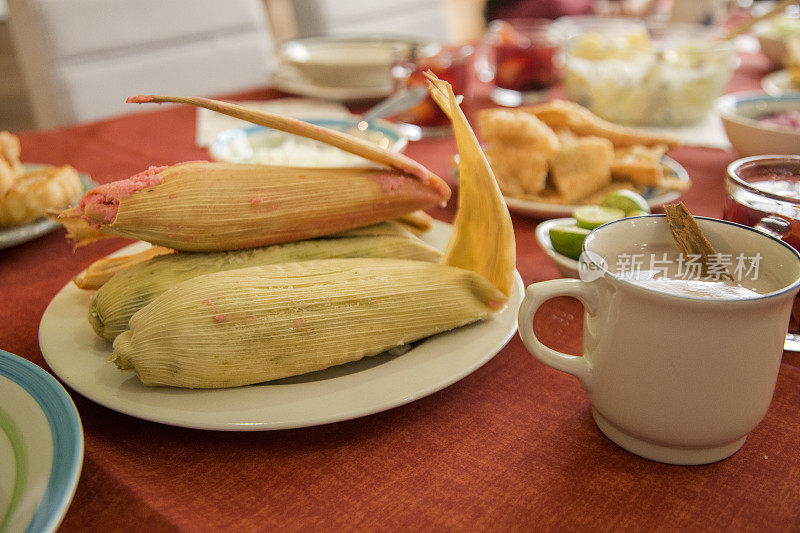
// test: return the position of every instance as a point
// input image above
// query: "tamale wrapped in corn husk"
(201, 206)
(262, 323)
(132, 288)
(257, 324)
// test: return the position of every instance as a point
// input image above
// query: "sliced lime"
(568, 240)
(591, 216)
(626, 200)
(636, 213)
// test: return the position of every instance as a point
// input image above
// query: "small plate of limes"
(562, 238)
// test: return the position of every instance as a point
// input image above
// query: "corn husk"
(102, 270)
(483, 236)
(133, 288)
(203, 206)
(263, 323)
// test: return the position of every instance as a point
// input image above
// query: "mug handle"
(535, 296)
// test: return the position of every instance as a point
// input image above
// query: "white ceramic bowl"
(771, 39)
(344, 61)
(567, 266)
(259, 145)
(739, 113)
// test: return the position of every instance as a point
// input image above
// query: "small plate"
(19, 234)
(41, 447)
(567, 266)
(779, 83)
(289, 80)
(654, 196)
(343, 392)
(237, 145)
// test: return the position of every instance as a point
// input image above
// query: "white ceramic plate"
(240, 145)
(289, 80)
(654, 196)
(41, 447)
(18, 234)
(370, 385)
(778, 83)
(567, 266)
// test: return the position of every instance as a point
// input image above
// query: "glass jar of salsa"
(448, 62)
(519, 59)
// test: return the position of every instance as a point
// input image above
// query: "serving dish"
(15, 235)
(289, 80)
(41, 447)
(256, 144)
(344, 61)
(772, 34)
(364, 387)
(655, 197)
(669, 75)
(739, 113)
(567, 266)
(779, 83)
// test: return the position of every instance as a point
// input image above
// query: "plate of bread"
(550, 158)
(28, 191)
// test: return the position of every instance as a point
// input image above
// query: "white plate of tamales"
(373, 384)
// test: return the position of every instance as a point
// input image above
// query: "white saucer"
(289, 80)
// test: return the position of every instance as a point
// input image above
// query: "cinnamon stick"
(689, 237)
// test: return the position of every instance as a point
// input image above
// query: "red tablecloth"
(510, 447)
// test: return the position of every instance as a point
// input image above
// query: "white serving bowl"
(567, 266)
(739, 113)
(344, 61)
(259, 145)
(772, 40)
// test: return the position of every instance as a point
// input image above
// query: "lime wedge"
(637, 213)
(568, 240)
(591, 216)
(626, 200)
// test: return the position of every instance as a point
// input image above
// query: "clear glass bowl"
(666, 75)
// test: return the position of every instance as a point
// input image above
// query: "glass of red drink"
(450, 63)
(519, 59)
(764, 192)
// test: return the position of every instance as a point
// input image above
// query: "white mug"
(673, 378)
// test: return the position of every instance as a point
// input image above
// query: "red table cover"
(510, 447)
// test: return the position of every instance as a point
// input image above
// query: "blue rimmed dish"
(260, 145)
(742, 116)
(41, 447)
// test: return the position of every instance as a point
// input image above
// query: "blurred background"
(55, 54)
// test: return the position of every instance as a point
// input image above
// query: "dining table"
(510, 447)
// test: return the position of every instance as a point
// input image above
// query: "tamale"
(256, 324)
(202, 206)
(132, 288)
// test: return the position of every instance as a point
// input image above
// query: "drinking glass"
(518, 57)
(764, 192)
(448, 62)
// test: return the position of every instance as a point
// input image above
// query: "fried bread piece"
(10, 166)
(509, 127)
(560, 114)
(582, 167)
(639, 164)
(517, 169)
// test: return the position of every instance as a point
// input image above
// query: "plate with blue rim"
(255, 144)
(41, 447)
(15, 235)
